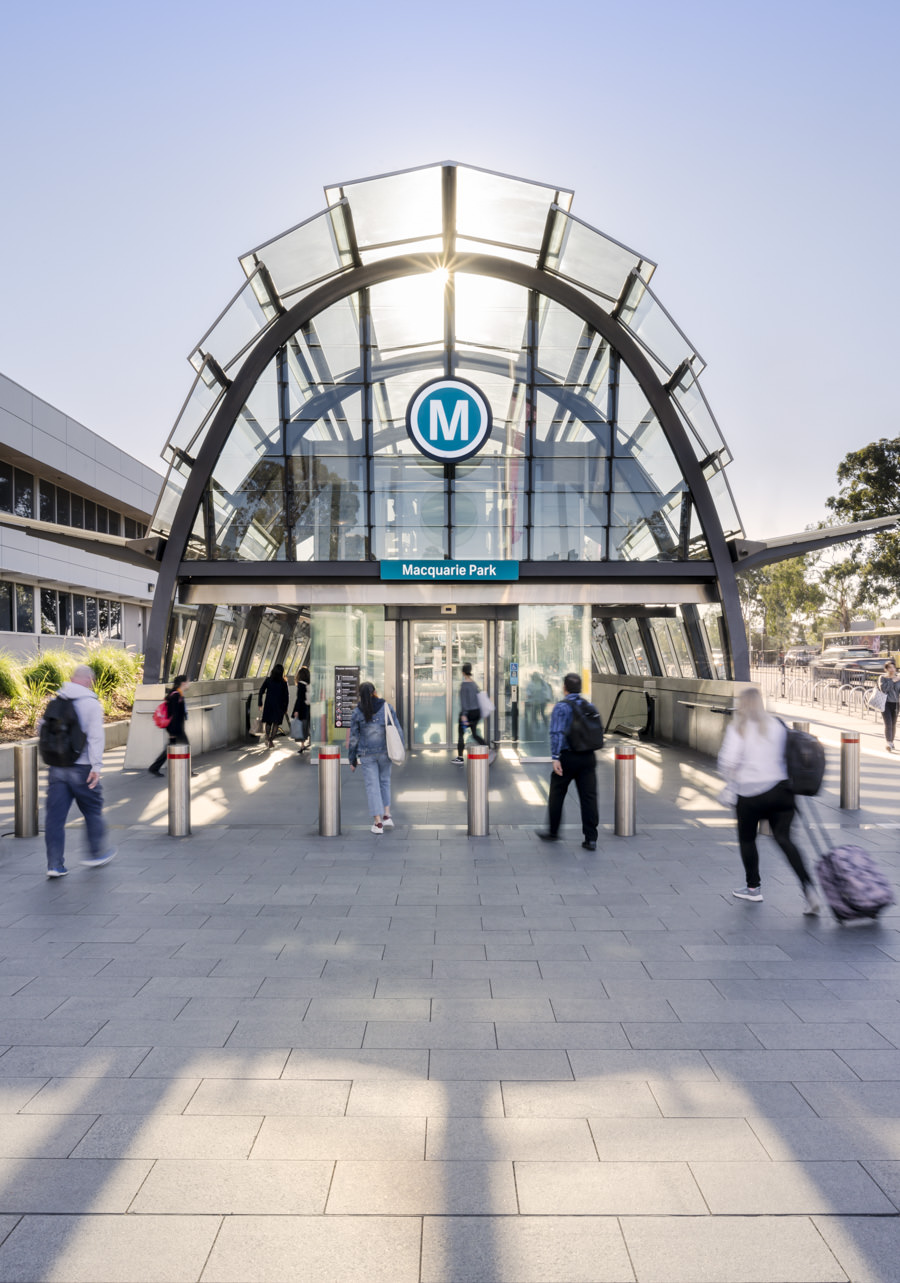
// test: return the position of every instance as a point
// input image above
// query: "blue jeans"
(376, 769)
(68, 784)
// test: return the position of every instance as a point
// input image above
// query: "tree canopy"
(870, 487)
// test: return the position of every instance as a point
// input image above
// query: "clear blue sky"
(750, 149)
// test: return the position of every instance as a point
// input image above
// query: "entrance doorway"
(438, 650)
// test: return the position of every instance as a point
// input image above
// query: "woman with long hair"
(301, 707)
(368, 747)
(177, 717)
(752, 760)
(889, 685)
(274, 691)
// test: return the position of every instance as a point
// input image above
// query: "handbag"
(485, 704)
(395, 750)
(877, 699)
(298, 728)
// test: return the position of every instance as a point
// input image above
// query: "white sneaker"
(387, 822)
(377, 828)
(813, 903)
(748, 893)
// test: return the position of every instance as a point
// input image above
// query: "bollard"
(849, 771)
(330, 791)
(26, 786)
(625, 807)
(178, 769)
(477, 790)
(801, 726)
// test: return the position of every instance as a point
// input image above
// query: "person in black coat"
(177, 718)
(301, 707)
(272, 703)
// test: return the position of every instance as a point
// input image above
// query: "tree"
(870, 487)
(779, 602)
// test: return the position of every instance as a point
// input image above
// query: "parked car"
(800, 656)
(874, 664)
(844, 656)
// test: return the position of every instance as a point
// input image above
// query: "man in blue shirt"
(570, 765)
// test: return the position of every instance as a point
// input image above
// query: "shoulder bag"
(395, 750)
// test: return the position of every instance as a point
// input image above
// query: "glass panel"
(568, 542)
(433, 245)
(626, 649)
(102, 519)
(47, 501)
(602, 651)
(592, 259)
(24, 608)
(394, 207)
(305, 254)
(214, 651)
(409, 509)
(90, 515)
(115, 620)
(6, 611)
(63, 507)
(706, 436)
(239, 326)
(488, 509)
(714, 632)
(92, 625)
(331, 422)
(342, 635)
(681, 648)
(249, 523)
(637, 646)
(65, 614)
(49, 621)
(115, 523)
(553, 641)
(490, 313)
(429, 678)
(724, 501)
(408, 312)
(24, 494)
(204, 395)
(665, 650)
(329, 508)
(131, 528)
(6, 487)
(493, 207)
(77, 512)
(256, 432)
(103, 616)
(651, 324)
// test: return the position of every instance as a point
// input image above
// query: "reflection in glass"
(49, 621)
(24, 608)
(6, 607)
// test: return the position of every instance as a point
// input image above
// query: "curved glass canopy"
(318, 465)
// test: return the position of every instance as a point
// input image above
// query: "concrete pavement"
(257, 1054)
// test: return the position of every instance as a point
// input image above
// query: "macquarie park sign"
(441, 571)
(448, 420)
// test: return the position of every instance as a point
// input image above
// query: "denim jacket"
(368, 738)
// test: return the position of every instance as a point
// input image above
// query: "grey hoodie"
(90, 715)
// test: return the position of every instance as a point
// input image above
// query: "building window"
(77, 615)
(115, 620)
(92, 616)
(6, 487)
(49, 607)
(47, 493)
(65, 614)
(24, 608)
(77, 512)
(63, 507)
(24, 494)
(6, 614)
(131, 529)
(90, 515)
(102, 519)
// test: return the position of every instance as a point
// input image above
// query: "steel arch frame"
(359, 278)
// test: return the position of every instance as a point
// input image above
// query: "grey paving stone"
(168, 1136)
(163, 1033)
(682, 1066)
(499, 1065)
(452, 1034)
(819, 1138)
(372, 1009)
(718, 1009)
(524, 1249)
(60, 1062)
(398, 1099)
(59, 1185)
(231, 1188)
(865, 1246)
(331, 1249)
(533, 1010)
(182, 1062)
(589, 1037)
(80, 1096)
(785, 1066)
(702, 1036)
(761, 1189)
(375, 1063)
(837, 1100)
(599, 1098)
(886, 1172)
(107, 1249)
(675, 1139)
(852, 1035)
(422, 1189)
(610, 1011)
(731, 1100)
(729, 1249)
(510, 1138)
(267, 1097)
(28, 1136)
(15, 1093)
(340, 1138)
(873, 1066)
(607, 1189)
(277, 1032)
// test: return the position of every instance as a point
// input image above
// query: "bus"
(882, 639)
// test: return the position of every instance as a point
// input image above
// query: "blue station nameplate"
(442, 571)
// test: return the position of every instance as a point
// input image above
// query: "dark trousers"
(473, 720)
(889, 713)
(173, 739)
(582, 768)
(68, 784)
(777, 806)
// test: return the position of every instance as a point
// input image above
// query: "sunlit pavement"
(258, 1054)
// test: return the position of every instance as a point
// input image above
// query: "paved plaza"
(256, 1054)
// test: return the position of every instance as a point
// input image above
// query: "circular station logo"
(448, 420)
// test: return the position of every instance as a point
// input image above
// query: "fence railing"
(837, 689)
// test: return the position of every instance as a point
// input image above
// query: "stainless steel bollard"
(26, 786)
(801, 726)
(625, 801)
(178, 769)
(849, 771)
(477, 790)
(330, 791)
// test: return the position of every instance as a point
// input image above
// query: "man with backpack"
(72, 740)
(576, 732)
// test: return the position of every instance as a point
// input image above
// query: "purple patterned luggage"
(853, 884)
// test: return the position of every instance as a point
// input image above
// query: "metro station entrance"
(437, 651)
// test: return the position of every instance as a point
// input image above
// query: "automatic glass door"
(438, 651)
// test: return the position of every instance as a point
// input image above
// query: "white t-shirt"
(753, 763)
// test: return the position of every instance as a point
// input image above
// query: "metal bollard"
(26, 786)
(801, 726)
(330, 791)
(625, 801)
(477, 790)
(178, 769)
(849, 771)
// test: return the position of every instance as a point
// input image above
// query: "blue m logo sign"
(448, 420)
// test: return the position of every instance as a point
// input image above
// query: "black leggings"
(889, 713)
(473, 719)
(777, 805)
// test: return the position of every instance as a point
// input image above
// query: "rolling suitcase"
(851, 881)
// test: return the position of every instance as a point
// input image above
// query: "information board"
(346, 693)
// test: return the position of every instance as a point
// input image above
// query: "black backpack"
(61, 738)
(585, 731)
(805, 759)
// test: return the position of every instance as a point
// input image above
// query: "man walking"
(570, 764)
(80, 781)
(469, 711)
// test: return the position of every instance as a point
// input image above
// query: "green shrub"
(54, 666)
(32, 699)
(115, 669)
(10, 675)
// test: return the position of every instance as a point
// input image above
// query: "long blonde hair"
(750, 711)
